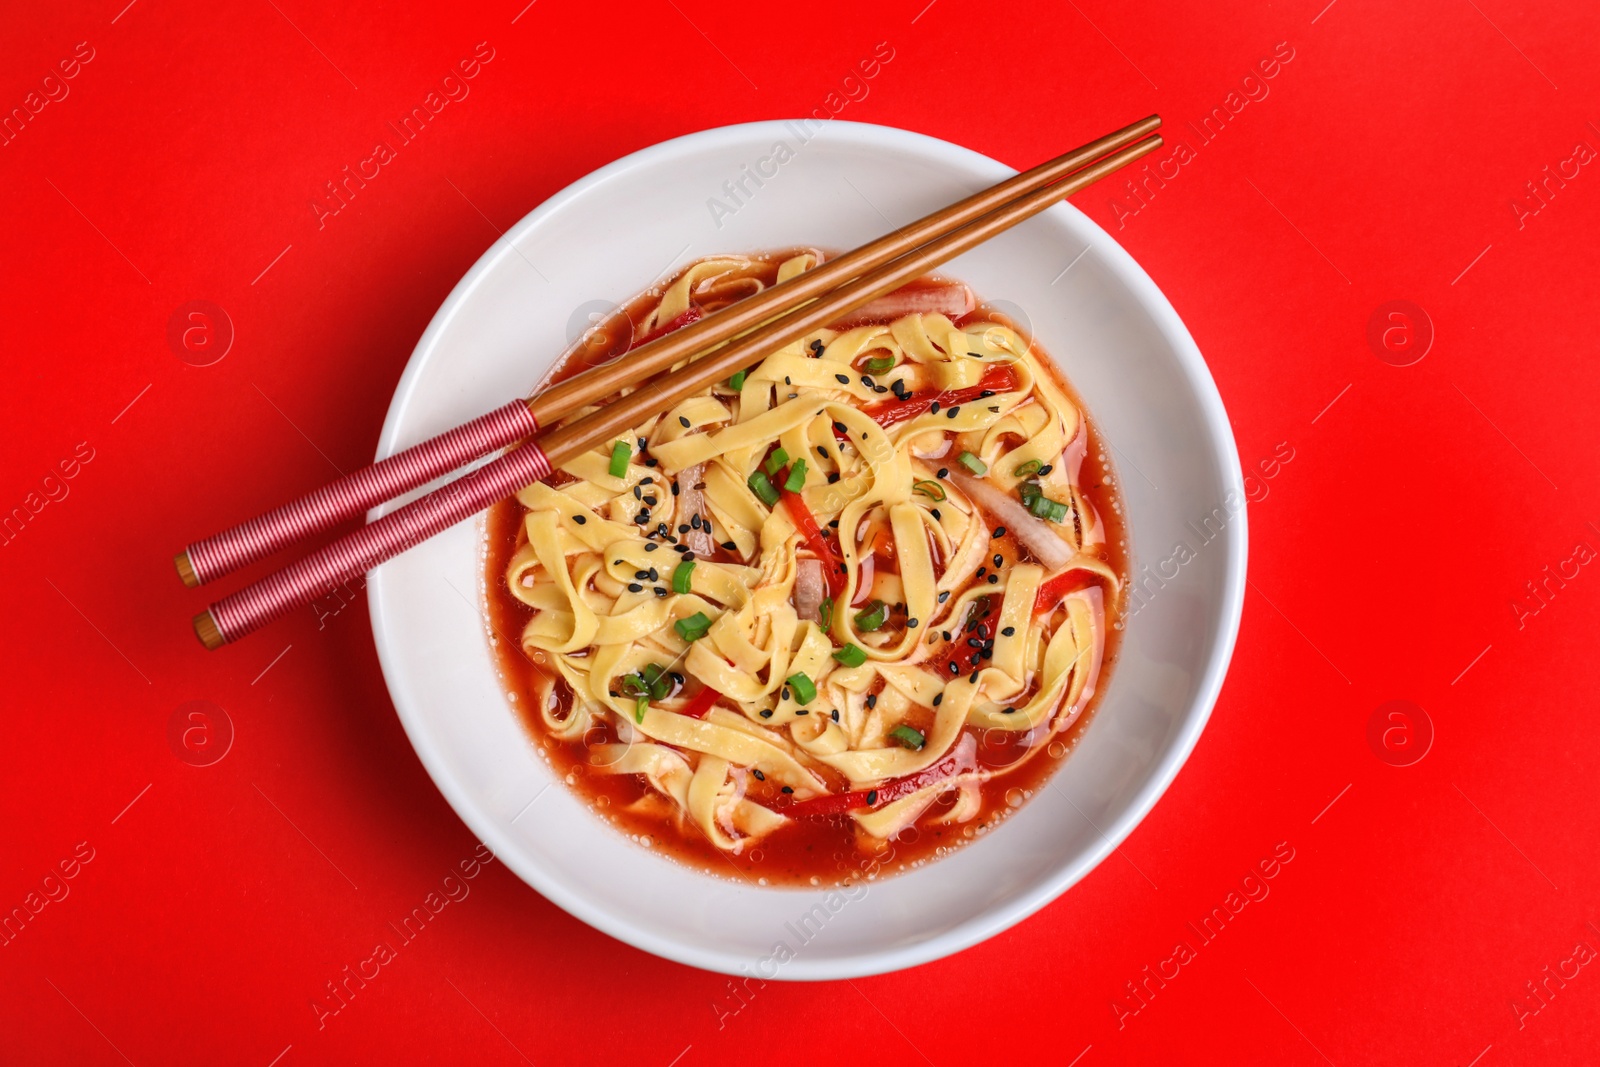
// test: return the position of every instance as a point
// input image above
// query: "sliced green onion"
(803, 688)
(681, 575)
(634, 683)
(775, 462)
(694, 627)
(907, 736)
(973, 464)
(797, 477)
(1045, 508)
(850, 655)
(620, 454)
(640, 706)
(736, 383)
(763, 488)
(655, 676)
(1028, 469)
(879, 364)
(928, 488)
(871, 617)
(825, 613)
(1029, 492)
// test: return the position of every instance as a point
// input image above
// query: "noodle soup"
(841, 613)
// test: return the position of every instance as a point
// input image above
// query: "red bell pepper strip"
(811, 533)
(958, 653)
(1055, 589)
(700, 703)
(694, 314)
(890, 791)
(1000, 378)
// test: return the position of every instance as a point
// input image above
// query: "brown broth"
(808, 851)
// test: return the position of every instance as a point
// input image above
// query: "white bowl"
(1119, 342)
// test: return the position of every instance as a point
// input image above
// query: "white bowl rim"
(981, 926)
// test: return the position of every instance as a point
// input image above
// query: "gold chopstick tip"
(205, 628)
(186, 570)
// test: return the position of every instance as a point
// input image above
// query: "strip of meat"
(809, 588)
(952, 301)
(692, 502)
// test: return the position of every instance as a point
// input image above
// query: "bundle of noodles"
(809, 590)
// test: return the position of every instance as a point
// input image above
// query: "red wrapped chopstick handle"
(354, 554)
(354, 493)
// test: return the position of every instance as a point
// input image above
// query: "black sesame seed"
(872, 700)
(695, 522)
(816, 346)
(652, 501)
(833, 476)
(872, 798)
(944, 596)
(953, 412)
(835, 714)
(579, 519)
(841, 427)
(954, 669)
(986, 394)
(637, 492)
(938, 699)
(643, 444)
(993, 578)
(999, 531)
(788, 789)
(730, 546)
(1046, 469)
(651, 546)
(803, 711)
(934, 408)
(639, 574)
(945, 634)
(1009, 631)
(683, 527)
(683, 421)
(911, 624)
(757, 772)
(766, 713)
(786, 380)
(973, 678)
(688, 557)
(1008, 711)
(844, 379)
(935, 513)
(654, 574)
(660, 591)
(999, 560)
(943, 472)
(680, 548)
(994, 409)
(651, 462)
(674, 488)
(866, 380)
(973, 642)
(786, 692)
(635, 587)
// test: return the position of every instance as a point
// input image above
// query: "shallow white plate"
(1089, 305)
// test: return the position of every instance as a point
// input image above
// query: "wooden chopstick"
(215, 556)
(236, 615)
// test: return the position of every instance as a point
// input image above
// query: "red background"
(1386, 556)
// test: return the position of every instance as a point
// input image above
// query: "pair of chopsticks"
(827, 293)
